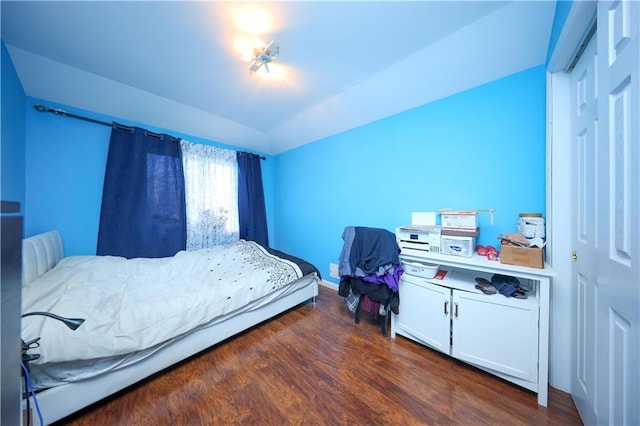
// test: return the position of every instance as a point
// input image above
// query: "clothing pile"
(370, 270)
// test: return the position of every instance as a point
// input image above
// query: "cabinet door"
(424, 313)
(497, 333)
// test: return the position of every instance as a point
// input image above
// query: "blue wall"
(483, 148)
(479, 149)
(65, 160)
(13, 133)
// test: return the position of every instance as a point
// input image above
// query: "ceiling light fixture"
(264, 56)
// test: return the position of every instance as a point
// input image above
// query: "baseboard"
(329, 284)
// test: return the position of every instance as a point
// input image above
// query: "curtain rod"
(43, 108)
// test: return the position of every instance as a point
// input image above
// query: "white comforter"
(133, 304)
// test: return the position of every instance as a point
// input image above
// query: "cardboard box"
(532, 257)
(452, 219)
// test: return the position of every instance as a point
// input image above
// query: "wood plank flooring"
(314, 366)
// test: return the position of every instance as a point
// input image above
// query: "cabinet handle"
(446, 306)
(456, 310)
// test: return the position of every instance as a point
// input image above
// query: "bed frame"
(42, 252)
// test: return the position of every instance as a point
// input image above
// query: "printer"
(416, 240)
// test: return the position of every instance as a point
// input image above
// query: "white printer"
(417, 239)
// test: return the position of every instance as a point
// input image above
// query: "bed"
(143, 315)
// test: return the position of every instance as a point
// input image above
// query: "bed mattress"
(134, 307)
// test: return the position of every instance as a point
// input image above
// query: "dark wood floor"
(314, 366)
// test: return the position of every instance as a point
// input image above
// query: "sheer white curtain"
(211, 193)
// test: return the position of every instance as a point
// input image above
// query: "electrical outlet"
(334, 272)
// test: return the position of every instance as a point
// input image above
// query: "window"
(211, 195)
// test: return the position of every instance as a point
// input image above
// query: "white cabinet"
(505, 336)
(495, 333)
(424, 316)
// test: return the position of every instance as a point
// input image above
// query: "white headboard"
(39, 254)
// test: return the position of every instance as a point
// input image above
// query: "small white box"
(423, 218)
(457, 246)
(459, 220)
(420, 269)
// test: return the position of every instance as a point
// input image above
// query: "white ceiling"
(342, 64)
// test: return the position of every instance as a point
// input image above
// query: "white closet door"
(606, 230)
(584, 110)
(617, 298)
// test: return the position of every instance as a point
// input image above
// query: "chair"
(370, 266)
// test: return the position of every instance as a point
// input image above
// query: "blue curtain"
(143, 205)
(252, 215)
